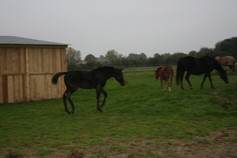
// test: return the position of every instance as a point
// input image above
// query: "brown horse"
(227, 61)
(166, 75)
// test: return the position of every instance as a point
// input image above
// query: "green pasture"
(137, 111)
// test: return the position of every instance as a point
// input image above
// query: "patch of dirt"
(221, 144)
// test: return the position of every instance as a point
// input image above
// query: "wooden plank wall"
(12, 60)
(25, 73)
(43, 64)
(12, 70)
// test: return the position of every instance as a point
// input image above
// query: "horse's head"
(118, 75)
(221, 71)
(157, 72)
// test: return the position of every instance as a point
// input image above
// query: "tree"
(112, 55)
(73, 57)
(205, 51)
(155, 60)
(101, 59)
(173, 59)
(90, 57)
(227, 47)
(136, 56)
(193, 53)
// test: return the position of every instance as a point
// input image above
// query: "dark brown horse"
(198, 66)
(227, 61)
(165, 73)
(94, 79)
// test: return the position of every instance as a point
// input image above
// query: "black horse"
(198, 66)
(94, 79)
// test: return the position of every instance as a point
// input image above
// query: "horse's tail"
(56, 76)
(178, 71)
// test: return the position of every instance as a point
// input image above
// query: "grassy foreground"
(137, 111)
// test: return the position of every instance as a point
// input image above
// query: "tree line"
(227, 47)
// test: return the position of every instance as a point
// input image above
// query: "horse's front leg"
(105, 96)
(204, 78)
(210, 79)
(98, 94)
(187, 79)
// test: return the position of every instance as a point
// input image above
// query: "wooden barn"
(26, 69)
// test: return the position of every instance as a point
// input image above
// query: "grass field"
(138, 119)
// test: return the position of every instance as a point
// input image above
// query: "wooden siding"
(26, 72)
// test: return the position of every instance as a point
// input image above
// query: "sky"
(127, 26)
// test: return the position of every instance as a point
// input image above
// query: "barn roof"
(9, 40)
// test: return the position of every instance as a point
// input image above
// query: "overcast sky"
(127, 26)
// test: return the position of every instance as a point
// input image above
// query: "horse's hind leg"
(181, 79)
(72, 104)
(105, 96)
(169, 85)
(65, 96)
(170, 81)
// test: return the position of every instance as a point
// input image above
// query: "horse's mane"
(215, 63)
(104, 68)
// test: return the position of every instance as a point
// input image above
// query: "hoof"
(100, 110)
(69, 112)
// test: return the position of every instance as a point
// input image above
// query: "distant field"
(139, 120)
